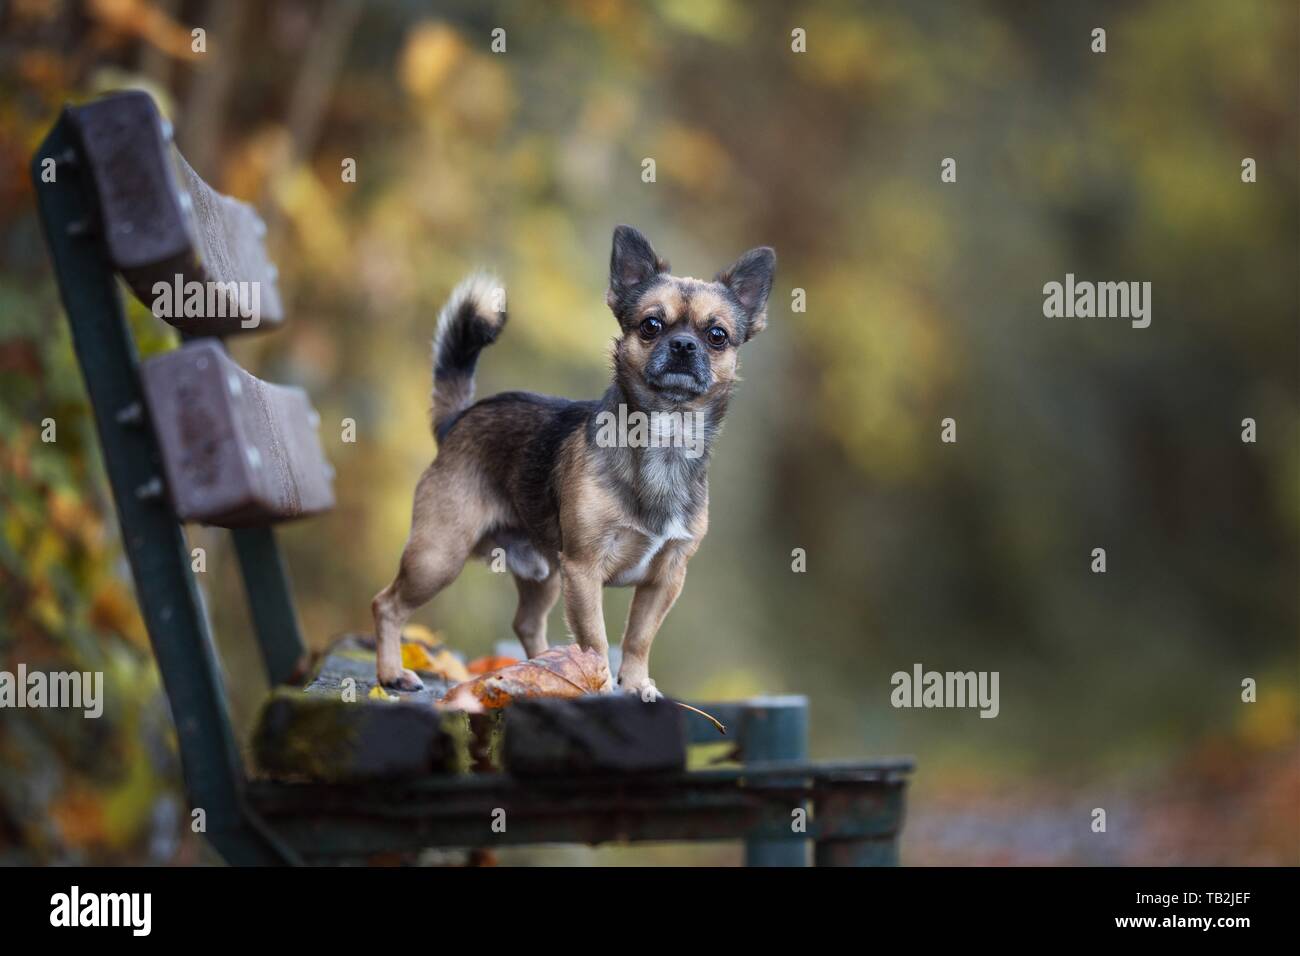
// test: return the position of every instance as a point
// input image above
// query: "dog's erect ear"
(750, 280)
(632, 261)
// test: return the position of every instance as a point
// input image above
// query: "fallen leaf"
(565, 671)
(437, 661)
(422, 635)
(79, 815)
(493, 662)
(378, 693)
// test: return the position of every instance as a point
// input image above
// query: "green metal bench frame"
(857, 808)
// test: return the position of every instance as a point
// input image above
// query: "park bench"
(189, 436)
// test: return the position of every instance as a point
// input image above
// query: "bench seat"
(355, 778)
(341, 726)
(857, 810)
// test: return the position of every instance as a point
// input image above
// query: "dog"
(572, 498)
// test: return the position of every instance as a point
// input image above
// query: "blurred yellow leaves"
(142, 20)
(71, 517)
(880, 336)
(108, 807)
(880, 365)
(724, 21)
(248, 168)
(438, 68)
(608, 112)
(846, 52)
(318, 230)
(113, 608)
(909, 230)
(692, 157)
(735, 683)
(1271, 720)
(558, 312)
(432, 49)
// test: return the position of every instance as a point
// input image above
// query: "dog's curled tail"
(472, 319)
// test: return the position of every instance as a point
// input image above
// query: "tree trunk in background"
(155, 63)
(316, 78)
(202, 120)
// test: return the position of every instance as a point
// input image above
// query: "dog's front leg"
(583, 609)
(650, 605)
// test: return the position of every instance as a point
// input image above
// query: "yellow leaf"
(431, 52)
(418, 632)
(434, 660)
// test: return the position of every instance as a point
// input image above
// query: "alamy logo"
(58, 690)
(179, 299)
(1102, 300)
(103, 909)
(922, 688)
(655, 430)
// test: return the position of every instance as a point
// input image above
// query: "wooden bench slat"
(352, 657)
(307, 736)
(600, 734)
(236, 450)
(161, 220)
(342, 821)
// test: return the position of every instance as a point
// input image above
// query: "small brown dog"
(577, 495)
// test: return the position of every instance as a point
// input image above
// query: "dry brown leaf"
(490, 663)
(565, 671)
(79, 815)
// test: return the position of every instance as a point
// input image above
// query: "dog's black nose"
(682, 344)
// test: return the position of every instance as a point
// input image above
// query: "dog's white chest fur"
(640, 550)
(662, 482)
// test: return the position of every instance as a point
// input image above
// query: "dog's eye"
(651, 327)
(717, 337)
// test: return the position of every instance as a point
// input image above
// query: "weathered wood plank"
(350, 821)
(352, 659)
(311, 737)
(600, 734)
(236, 450)
(163, 224)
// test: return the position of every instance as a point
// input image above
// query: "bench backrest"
(187, 435)
(235, 451)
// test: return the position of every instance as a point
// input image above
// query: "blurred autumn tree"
(923, 301)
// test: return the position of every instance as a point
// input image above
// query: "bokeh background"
(924, 300)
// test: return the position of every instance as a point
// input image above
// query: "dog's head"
(680, 336)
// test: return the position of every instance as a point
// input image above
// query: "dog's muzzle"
(679, 367)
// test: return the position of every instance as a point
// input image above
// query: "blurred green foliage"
(923, 301)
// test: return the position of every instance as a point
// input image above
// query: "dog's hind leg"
(448, 518)
(536, 598)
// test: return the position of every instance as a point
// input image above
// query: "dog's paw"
(641, 686)
(405, 679)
